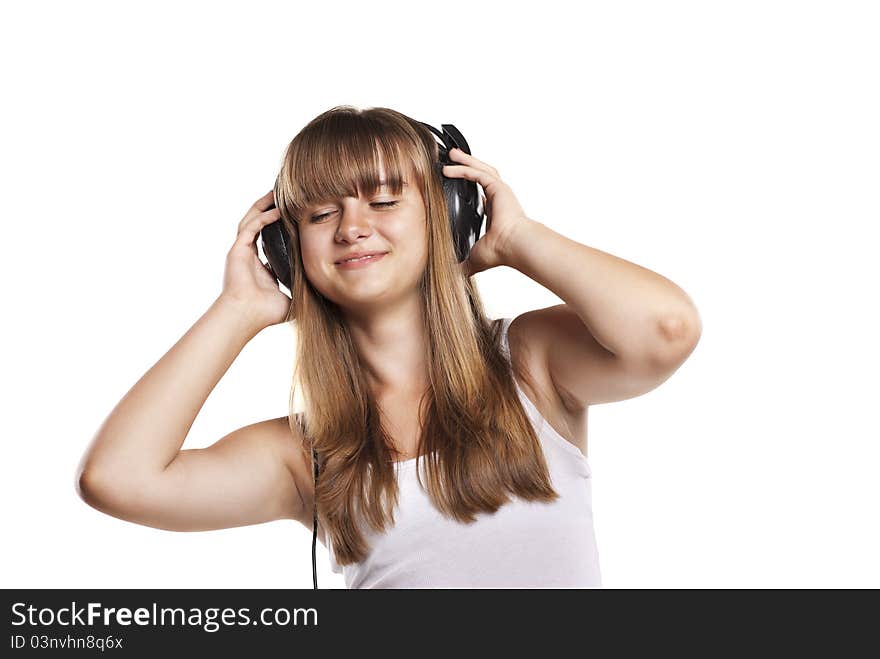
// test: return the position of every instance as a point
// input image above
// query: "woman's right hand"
(246, 281)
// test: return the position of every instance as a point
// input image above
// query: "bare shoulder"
(295, 454)
(527, 340)
(290, 449)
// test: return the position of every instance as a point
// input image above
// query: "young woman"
(400, 369)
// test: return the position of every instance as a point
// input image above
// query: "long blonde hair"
(478, 443)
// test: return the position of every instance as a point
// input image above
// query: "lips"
(357, 255)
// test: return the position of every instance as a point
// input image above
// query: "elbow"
(128, 497)
(86, 479)
(681, 328)
(109, 496)
(679, 337)
(91, 487)
(103, 493)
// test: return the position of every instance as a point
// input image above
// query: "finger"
(250, 226)
(466, 158)
(265, 201)
(249, 229)
(259, 206)
(489, 181)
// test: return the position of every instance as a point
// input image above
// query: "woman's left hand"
(504, 215)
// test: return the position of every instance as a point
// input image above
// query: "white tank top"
(524, 544)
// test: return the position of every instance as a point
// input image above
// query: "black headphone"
(466, 215)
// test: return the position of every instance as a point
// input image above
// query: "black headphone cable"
(315, 523)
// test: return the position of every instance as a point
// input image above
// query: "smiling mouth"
(360, 261)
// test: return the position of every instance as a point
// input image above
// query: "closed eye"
(382, 204)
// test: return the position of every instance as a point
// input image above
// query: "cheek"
(311, 259)
(310, 247)
(409, 232)
(415, 251)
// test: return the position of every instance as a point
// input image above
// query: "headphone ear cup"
(464, 218)
(462, 197)
(276, 247)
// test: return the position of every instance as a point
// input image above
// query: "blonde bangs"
(342, 156)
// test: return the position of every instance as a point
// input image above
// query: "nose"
(354, 223)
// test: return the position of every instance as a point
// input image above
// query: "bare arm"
(622, 330)
(247, 477)
(134, 467)
(146, 429)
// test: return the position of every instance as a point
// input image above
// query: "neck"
(393, 348)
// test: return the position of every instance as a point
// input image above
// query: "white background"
(729, 146)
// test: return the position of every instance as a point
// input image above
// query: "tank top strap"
(505, 346)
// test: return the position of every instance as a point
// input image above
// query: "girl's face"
(392, 224)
